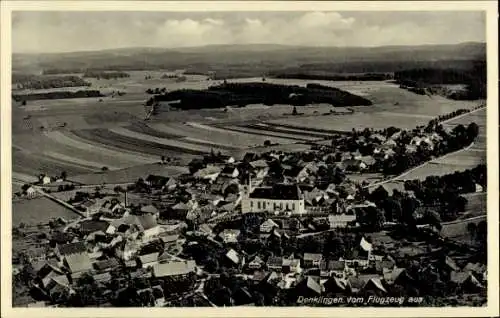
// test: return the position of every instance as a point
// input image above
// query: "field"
(30, 211)
(81, 136)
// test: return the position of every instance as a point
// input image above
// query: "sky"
(51, 32)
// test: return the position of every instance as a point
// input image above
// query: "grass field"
(83, 135)
(131, 174)
(38, 210)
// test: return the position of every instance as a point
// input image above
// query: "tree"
(472, 228)
(118, 189)
(267, 143)
(163, 159)
(64, 175)
(294, 111)
(104, 168)
(23, 103)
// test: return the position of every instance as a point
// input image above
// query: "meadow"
(81, 136)
(29, 211)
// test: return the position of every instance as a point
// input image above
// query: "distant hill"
(256, 60)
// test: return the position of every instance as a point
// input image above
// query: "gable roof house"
(229, 235)
(229, 171)
(157, 182)
(147, 260)
(174, 269)
(274, 263)
(267, 226)
(312, 260)
(69, 249)
(233, 256)
(150, 209)
(77, 264)
(309, 287)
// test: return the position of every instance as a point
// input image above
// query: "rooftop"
(277, 192)
(174, 268)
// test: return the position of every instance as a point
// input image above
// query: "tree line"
(28, 81)
(105, 75)
(57, 95)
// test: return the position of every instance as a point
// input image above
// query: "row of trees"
(105, 75)
(57, 95)
(24, 81)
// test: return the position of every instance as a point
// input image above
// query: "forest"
(57, 95)
(474, 78)
(242, 94)
(29, 81)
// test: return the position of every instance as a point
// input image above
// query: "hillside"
(256, 60)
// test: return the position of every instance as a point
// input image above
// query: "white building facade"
(279, 198)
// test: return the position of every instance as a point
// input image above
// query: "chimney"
(126, 199)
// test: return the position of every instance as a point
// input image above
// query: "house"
(210, 173)
(233, 256)
(384, 266)
(332, 268)
(147, 260)
(368, 160)
(229, 171)
(256, 263)
(335, 285)
(58, 286)
(274, 263)
(353, 165)
(373, 285)
(308, 287)
(106, 265)
(77, 264)
(30, 192)
(44, 179)
(158, 295)
(48, 270)
(150, 209)
(181, 210)
(90, 226)
(466, 281)
(291, 265)
(312, 260)
(479, 188)
(145, 224)
(174, 269)
(126, 250)
(230, 235)
(157, 182)
(280, 197)
(250, 156)
(223, 183)
(102, 277)
(267, 226)
(70, 249)
(341, 220)
(391, 275)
